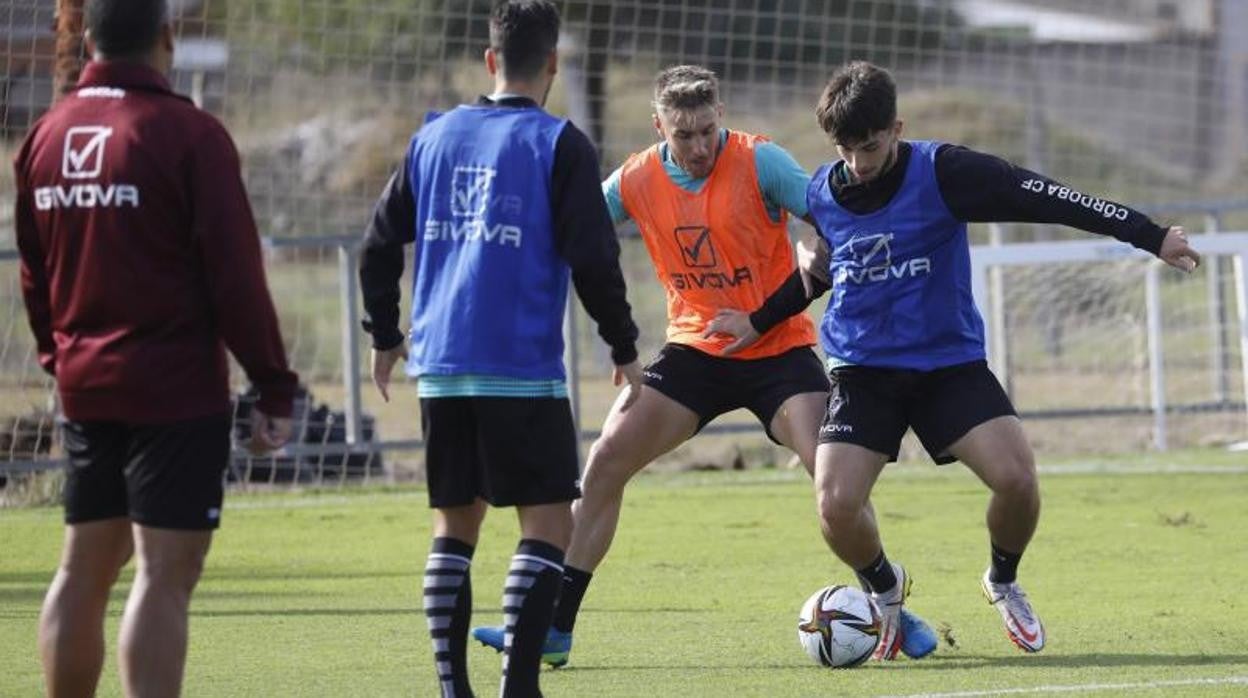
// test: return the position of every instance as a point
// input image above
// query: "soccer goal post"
(1087, 328)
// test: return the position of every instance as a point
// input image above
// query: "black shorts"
(873, 407)
(158, 475)
(509, 451)
(712, 385)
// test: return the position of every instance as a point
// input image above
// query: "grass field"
(1137, 570)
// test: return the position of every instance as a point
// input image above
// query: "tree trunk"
(69, 47)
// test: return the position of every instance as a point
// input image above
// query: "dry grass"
(33, 490)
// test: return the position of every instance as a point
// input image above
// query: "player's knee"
(179, 571)
(838, 510)
(1019, 480)
(80, 582)
(610, 463)
(94, 573)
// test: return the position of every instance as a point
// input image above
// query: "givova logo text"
(869, 259)
(83, 158)
(471, 197)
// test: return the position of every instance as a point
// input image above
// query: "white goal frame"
(989, 297)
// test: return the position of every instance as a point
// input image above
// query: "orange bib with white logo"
(715, 248)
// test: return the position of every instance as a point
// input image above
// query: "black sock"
(571, 593)
(528, 604)
(1004, 566)
(877, 577)
(448, 610)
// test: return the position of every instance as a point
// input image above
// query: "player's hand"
(735, 324)
(628, 373)
(813, 259)
(1176, 252)
(268, 433)
(383, 364)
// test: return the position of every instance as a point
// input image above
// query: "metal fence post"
(1000, 350)
(1217, 316)
(348, 282)
(1241, 299)
(1156, 354)
(979, 291)
(572, 362)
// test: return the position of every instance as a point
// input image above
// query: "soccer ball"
(839, 626)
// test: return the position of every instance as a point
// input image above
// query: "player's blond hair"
(685, 87)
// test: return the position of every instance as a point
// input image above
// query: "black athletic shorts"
(872, 407)
(712, 385)
(158, 475)
(509, 451)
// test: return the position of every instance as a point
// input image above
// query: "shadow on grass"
(293, 573)
(42, 577)
(229, 574)
(25, 602)
(306, 612)
(482, 613)
(29, 595)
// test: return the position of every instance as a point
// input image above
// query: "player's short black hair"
(125, 28)
(859, 99)
(523, 33)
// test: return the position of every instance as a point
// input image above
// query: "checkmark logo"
(84, 151)
(863, 250)
(470, 190)
(695, 245)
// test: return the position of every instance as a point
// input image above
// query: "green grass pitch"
(1138, 571)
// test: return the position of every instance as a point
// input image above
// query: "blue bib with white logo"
(901, 276)
(489, 288)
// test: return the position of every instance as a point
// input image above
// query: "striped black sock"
(571, 593)
(878, 576)
(1004, 566)
(528, 604)
(448, 608)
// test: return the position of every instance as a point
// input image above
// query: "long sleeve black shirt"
(584, 236)
(977, 188)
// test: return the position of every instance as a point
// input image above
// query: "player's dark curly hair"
(523, 33)
(125, 28)
(859, 99)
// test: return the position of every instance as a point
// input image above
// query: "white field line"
(1083, 688)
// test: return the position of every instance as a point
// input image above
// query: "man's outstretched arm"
(978, 187)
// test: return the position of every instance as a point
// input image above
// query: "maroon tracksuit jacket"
(140, 258)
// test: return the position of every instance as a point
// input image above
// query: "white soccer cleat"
(889, 604)
(1021, 624)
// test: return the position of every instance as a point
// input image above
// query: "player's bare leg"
(71, 626)
(154, 627)
(796, 425)
(549, 523)
(461, 523)
(998, 453)
(844, 476)
(631, 439)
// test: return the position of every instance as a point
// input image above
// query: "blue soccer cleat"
(555, 651)
(917, 638)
